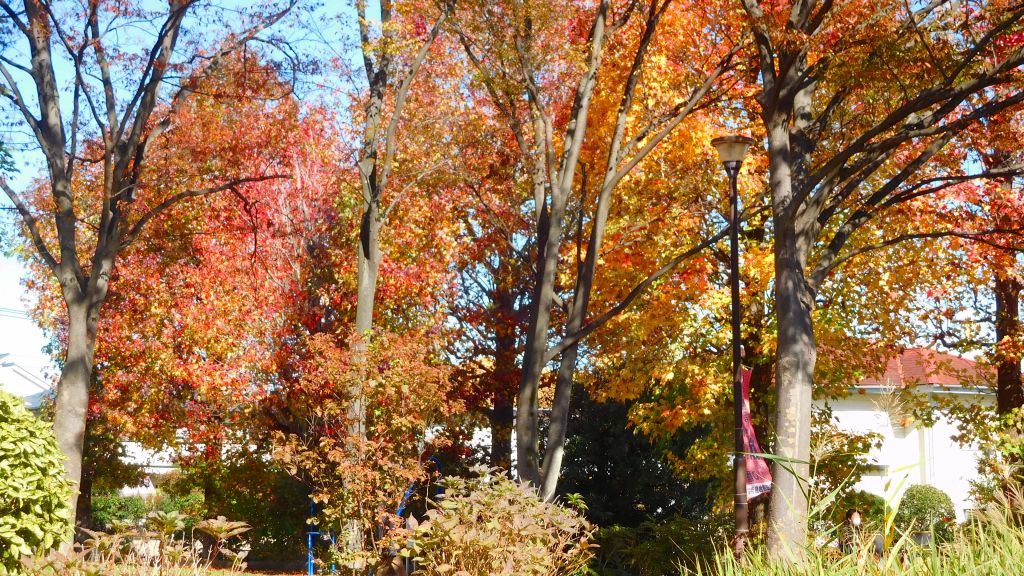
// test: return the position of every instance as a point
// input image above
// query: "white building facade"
(910, 452)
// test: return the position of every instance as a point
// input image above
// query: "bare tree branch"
(30, 222)
(6, 7)
(14, 95)
(175, 198)
(981, 237)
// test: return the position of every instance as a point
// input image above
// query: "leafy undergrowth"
(133, 570)
(214, 572)
(159, 548)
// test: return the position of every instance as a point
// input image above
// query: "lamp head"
(732, 149)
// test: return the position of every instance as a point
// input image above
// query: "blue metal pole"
(309, 539)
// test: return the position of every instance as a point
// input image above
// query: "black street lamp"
(731, 151)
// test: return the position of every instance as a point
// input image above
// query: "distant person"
(148, 491)
(849, 537)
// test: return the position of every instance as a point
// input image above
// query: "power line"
(25, 374)
(13, 313)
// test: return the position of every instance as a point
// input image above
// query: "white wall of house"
(25, 370)
(913, 454)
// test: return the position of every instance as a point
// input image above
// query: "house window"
(876, 470)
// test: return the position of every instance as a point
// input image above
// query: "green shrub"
(274, 503)
(191, 506)
(872, 508)
(657, 548)
(492, 525)
(109, 510)
(34, 513)
(605, 455)
(924, 508)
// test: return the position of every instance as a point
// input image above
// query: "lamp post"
(731, 151)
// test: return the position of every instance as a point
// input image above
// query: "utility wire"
(13, 313)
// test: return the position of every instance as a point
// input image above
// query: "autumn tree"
(851, 137)
(517, 49)
(392, 49)
(120, 96)
(491, 300)
(358, 476)
(997, 142)
(391, 61)
(664, 355)
(220, 309)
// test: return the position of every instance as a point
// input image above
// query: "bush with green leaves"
(243, 487)
(925, 508)
(111, 511)
(656, 548)
(34, 513)
(491, 525)
(872, 508)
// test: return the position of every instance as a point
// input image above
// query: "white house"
(910, 452)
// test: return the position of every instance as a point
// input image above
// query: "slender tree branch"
(981, 237)
(178, 197)
(14, 95)
(941, 95)
(636, 292)
(402, 94)
(33, 226)
(18, 22)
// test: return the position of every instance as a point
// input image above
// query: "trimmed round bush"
(34, 513)
(924, 508)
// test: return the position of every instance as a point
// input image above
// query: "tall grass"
(989, 545)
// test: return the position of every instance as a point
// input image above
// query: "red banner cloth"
(759, 475)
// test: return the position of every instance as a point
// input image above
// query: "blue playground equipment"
(310, 536)
(314, 533)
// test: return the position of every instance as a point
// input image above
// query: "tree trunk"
(549, 236)
(502, 423)
(559, 424)
(72, 403)
(796, 355)
(527, 413)
(1009, 389)
(502, 414)
(368, 267)
(795, 349)
(83, 513)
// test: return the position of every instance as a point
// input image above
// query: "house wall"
(913, 454)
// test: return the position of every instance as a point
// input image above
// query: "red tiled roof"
(925, 366)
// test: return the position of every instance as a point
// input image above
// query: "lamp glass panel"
(732, 151)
